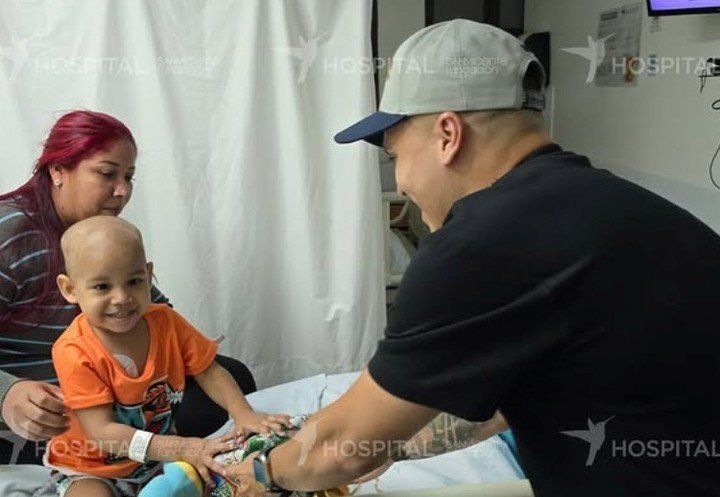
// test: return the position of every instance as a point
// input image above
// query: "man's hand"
(242, 475)
(376, 473)
(35, 410)
(247, 486)
(244, 470)
(260, 422)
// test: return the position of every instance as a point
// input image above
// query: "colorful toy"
(179, 479)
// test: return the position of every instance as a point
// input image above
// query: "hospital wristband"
(139, 445)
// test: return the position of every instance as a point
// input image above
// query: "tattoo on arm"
(447, 433)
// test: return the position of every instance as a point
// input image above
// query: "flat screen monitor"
(674, 7)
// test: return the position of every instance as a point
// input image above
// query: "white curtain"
(260, 227)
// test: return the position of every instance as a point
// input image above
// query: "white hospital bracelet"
(139, 445)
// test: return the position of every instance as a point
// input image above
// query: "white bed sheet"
(488, 462)
(25, 480)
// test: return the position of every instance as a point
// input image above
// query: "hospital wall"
(661, 133)
(397, 20)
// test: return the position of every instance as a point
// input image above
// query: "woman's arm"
(6, 381)
(7, 292)
(157, 297)
(32, 409)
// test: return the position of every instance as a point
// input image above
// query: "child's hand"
(260, 422)
(199, 453)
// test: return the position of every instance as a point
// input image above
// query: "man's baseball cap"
(458, 65)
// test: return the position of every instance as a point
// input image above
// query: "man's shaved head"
(96, 235)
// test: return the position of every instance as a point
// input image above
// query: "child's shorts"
(120, 487)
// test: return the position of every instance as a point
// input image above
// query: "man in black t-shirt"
(578, 304)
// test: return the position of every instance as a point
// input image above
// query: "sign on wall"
(619, 31)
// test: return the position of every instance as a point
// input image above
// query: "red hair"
(73, 138)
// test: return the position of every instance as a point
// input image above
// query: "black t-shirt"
(576, 302)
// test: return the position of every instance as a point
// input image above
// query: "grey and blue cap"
(459, 66)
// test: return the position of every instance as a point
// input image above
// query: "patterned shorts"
(120, 487)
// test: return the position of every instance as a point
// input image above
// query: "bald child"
(122, 365)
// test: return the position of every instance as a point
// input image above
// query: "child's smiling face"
(107, 274)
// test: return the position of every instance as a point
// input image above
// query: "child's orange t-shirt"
(90, 376)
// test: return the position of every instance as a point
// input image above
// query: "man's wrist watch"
(263, 474)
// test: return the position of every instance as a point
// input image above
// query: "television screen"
(671, 7)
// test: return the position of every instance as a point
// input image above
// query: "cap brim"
(371, 129)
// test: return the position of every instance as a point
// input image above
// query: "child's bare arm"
(222, 388)
(112, 437)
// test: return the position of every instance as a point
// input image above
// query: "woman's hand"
(35, 410)
(260, 422)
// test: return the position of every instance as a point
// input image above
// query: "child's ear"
(67, 288)
(149, 269)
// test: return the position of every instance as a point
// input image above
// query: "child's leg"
(88, 487)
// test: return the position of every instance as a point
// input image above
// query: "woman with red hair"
(86, 169)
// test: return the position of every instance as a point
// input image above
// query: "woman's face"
(99, 185)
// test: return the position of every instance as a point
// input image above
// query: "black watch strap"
(262, 473)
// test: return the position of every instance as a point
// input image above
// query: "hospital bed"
(488, 469)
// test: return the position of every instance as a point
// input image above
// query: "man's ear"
(67, 288)
(451, 129)
(149, 269)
